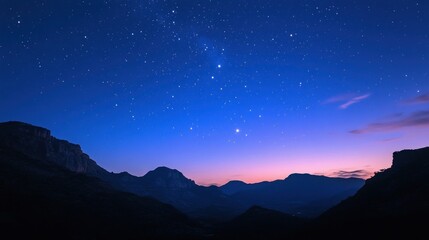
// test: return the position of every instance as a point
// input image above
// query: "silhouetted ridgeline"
(392, 204)
(50, 188)
(299, 194)
(167, 185)
(394, 201)
(42, 200)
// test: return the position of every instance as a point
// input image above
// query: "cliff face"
(37, 142)
(395, 199)
(41, 200)
(299, 193)
(167, 185)
(411, 158)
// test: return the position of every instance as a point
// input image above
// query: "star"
(236, 78)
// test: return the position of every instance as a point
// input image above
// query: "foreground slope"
(299, 194)
(394, 201)
(41, 199)
(261, 223)
(392, 204)
(164, 184)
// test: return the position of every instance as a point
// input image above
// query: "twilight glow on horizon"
(221, 90)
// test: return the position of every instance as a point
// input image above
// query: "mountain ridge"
(393, 203)
(45, 134)
(295, 193)
(165, 184)
(43, 200)
(393, 200)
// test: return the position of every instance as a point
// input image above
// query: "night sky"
(221, 90)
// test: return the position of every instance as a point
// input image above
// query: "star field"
(221, 90)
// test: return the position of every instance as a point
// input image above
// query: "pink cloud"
(424, 98)
(360, 173)
(353, 101)
(416, 119)
(346, 99)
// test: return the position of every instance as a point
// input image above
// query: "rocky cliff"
(37, 142)
(301, 194)
(394, 201)
(167, 185)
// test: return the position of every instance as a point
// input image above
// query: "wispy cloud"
(360, 173)
(346, 100)
(424, 98)
(353, 101)
(416, 119)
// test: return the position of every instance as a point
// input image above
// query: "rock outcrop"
(37, 142)
(167, 185)
(394, 201)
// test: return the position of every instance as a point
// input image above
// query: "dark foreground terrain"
(49, 188)
(392, 204)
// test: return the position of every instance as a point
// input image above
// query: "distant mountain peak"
(302, 176)
(165, 172)
(307, 176)
(234, 186)
(236, 182)
(165, 169)
(168, 178)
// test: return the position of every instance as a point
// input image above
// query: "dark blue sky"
(221, 89)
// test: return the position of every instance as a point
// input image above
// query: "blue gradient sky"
(251, 90)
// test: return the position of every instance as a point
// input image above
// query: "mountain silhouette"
(50, 189)
(164, 177)
(235, 186)
(37, 143)
(298, 194)
(293, 195)
(40, 199)
(173, 187)
(392, 204)
(394, 201)
(167, 185)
